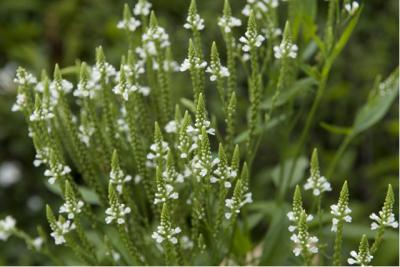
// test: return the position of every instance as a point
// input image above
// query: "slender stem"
(339, 154)
(309, 121)
(338, 245)
(378, 240)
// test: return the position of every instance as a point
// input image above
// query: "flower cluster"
(19, 103)
(194, 22)
(339, 212)
(118, 178)
(352, 7)
(153, 35)
(165, 231)
(42, 113)
(7, 225)
(251, 40)
(363, 257)
(389, 221)
(305, 243)
(130, 24)
(294, 217)
(223, 173)
(60, 229)
(71, 207)
(85, 133)
(165, 192)
(158, 150)
(260, 7)
(142, 7)
(56, 171)
(386, 216)
(285, 49)
(234, 204)
(228, 22)
(192, 63)
(316, 182)
(117, 213)
(217, 71)
(41, 156)
(126, 89)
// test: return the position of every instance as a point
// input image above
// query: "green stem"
(378, 240)
(338, 245)
(339, 154)
(309, 122)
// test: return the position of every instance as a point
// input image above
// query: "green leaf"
(298, 172)
(265, 126)
(335, 129)
(291, 92)
(188, 104)
(89, 195)
(276, 244)
(344, 38)
(377, 106)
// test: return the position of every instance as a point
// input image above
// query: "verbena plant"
(147, 180)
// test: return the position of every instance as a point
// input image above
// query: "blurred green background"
(39, 33)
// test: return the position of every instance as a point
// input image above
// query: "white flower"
(86, 89)
(285, 49)
(118, 178)
(318, 184)
(234, 204)
(85, 133)
(60, 229)
(130, 25)
(142, 8)
(357, 258)
(71, 207)
(223, 173)
(19, 103)
(166, 233)
(171, 127)
(137, 179)
(186, 242)
(41, 114)
(103, 70)
(10, 173)
(7, 225)
(295, 218)
(24, 78)
(194, 22)
(309, 241)
(63, 85)
(193, 62)
(157, 150)
(152, 35)
(271, 32)
(260, 7)
(352, 7)
(382, 220)
(217, 71)
(165, 192)
(37, 243)
(117, 212)
(56, 171)
(339, 213)
(251, 40)
(228, 22)
(41, 156)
